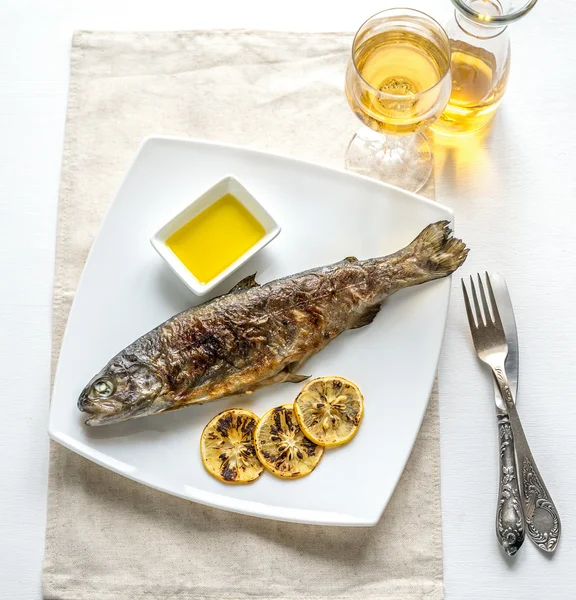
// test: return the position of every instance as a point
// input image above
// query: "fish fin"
(438, 253)
(284, 376)
(295, 378)
(292, 376)
(245, 284)
(366, 317)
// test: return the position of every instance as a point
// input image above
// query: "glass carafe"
(480, 62)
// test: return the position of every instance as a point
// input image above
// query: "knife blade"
(509, 323)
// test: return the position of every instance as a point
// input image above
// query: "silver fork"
(542, 519)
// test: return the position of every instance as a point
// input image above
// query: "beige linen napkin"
(109, 538)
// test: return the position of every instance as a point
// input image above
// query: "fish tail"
(437, 252)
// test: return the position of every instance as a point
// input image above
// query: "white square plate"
(326, 215)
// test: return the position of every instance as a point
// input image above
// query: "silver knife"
(541, 518)
(510, 528)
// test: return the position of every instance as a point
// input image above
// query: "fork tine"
(476, 304)
(471, 321)
(487, 315)
(497, 319)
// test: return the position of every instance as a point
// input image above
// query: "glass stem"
(401, 160)
(391, 144)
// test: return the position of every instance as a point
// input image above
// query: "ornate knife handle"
(509, 515)
(542, 519)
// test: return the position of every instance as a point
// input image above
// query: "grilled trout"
(259, 335)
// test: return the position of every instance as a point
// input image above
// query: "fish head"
(124, 389)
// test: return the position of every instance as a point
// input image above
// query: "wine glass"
(397, 83)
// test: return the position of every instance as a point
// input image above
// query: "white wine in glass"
(397, 84)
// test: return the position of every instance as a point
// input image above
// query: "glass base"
(403, 161)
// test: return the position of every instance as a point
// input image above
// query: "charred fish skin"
(259, 335)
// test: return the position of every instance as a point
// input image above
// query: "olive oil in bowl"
(216, 238)
(215, 235)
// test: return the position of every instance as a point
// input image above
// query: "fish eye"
(103, 387)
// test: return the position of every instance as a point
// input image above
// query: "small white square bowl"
(228, 185)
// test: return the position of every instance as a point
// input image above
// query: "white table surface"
(515, 199)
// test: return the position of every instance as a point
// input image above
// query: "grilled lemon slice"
(227, 447)
(329, 410)
(282, 447)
